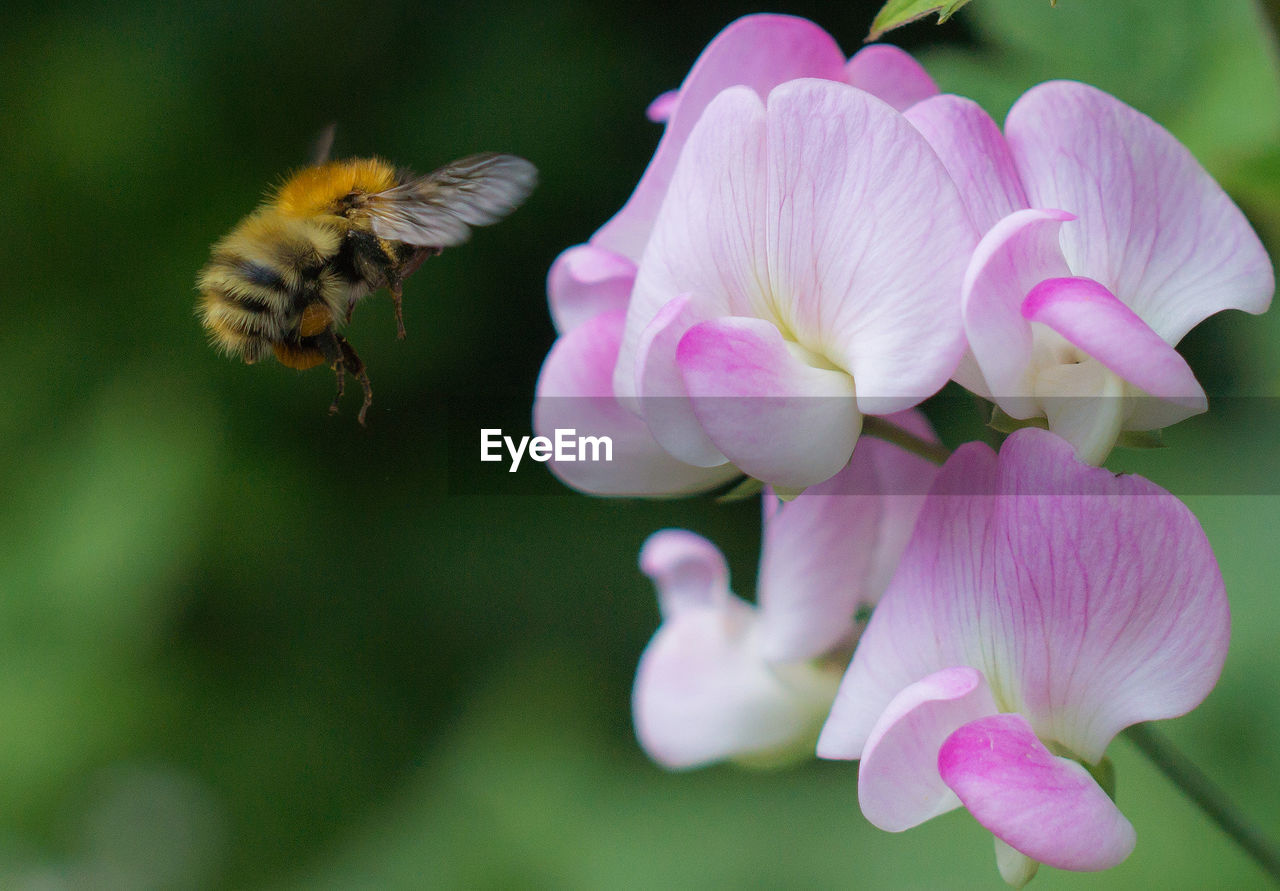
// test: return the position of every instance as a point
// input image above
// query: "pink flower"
(803, 271)
(1106, 242)
(725, 679)
(589, 285)
(1041, 606)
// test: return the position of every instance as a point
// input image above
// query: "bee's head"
(332, 188)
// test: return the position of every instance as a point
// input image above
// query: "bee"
(288, 276)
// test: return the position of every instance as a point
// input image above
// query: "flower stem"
(1206, 794)
(905, 439)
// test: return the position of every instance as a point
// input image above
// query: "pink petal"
(585, 281)
(661, 109)
(866, 242)
(834, 548)
(1089, 316)
(1154, 227)
(1018, 252)
(575, 392)
(1090, 602)
(910, 635)
(703, 693)
(1143, 412)
(689, 572)
(757, 51)
(890, 74)
(1133, 627)
(815, 563)
(968, 374)
(777, 418)
(706, 243)
(975, 154)
(664, 402)
(905, 479)
(900, 481)
(1044, 806)
(898, 782)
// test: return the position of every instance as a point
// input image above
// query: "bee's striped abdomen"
(261, 278)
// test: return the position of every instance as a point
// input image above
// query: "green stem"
(905, 439)
(1206, 794)
(1271, 12)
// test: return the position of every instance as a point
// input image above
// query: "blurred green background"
(246, 644)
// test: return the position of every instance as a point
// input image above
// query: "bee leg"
(395, 285)
(337, 396)
(397, 290)
(351, 363)
(332, 351)
(342, 358)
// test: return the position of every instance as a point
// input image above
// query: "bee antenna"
(323, 144)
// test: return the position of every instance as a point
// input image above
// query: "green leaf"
(747, 487)
(1141, 439)
(897, 13)
(1004, 423)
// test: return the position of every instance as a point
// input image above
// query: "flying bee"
(287, 277)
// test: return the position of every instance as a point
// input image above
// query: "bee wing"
(323, 145)
(439, 209)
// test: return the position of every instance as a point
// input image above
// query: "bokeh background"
(244, 644)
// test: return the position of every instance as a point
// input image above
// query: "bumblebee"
(287, 277)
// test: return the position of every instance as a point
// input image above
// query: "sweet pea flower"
(726, 679)
(589, 286)
(1105, 243)
(1041, 606)
(803, 271)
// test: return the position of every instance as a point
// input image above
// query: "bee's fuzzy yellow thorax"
(316, 190)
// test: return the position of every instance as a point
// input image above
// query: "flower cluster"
(793, 234)
(819, 242)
